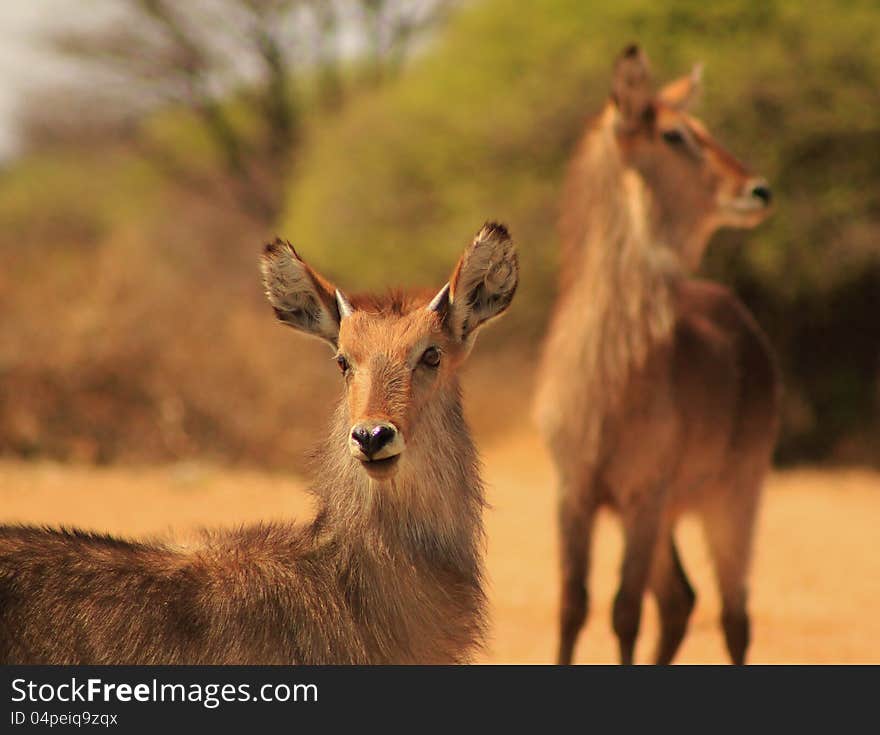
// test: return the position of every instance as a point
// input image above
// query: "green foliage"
(68, 197)
(387, 188)
(482, 127)
(484, 124)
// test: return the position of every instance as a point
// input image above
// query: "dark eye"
(343, 363)
(431, 357)
(673, 137)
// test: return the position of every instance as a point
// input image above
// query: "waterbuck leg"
(575, 534)
(640, 525)
(675, 597)
(729, 533)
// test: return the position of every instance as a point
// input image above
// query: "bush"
(482, 128)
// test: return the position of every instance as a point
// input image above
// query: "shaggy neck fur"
(617, 290)
(409, 549)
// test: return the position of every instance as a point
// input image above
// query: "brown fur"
(390, 571)
(657, 394)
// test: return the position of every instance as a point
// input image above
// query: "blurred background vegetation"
(378, 135)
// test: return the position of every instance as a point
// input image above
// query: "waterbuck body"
(657, 393)
(390, 570)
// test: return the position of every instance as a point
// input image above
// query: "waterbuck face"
(398, 355)
(696, 186)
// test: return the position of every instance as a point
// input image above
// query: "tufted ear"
(681, 93)
(481, 286)
(301, 297)
(631, 88)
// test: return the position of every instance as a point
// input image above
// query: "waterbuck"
(390, 570)
(657, 393)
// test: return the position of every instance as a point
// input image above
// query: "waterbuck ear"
(631, 88)
(482, 284)
(681, 93)
(302, 298)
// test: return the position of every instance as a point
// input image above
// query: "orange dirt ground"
(816, 578)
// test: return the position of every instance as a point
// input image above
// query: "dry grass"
(816, 584)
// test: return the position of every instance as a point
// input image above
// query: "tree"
(207, 56)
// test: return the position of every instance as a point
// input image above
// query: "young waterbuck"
(657, 393)
(390, 570)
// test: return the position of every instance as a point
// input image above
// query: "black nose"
(763, 192)
(372, 438)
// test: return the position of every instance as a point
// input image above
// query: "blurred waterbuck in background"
(390, 570)
(657, 393)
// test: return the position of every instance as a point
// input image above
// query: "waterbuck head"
(695, 186)
(398, 355)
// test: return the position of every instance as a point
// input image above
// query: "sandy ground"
(816, 579)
